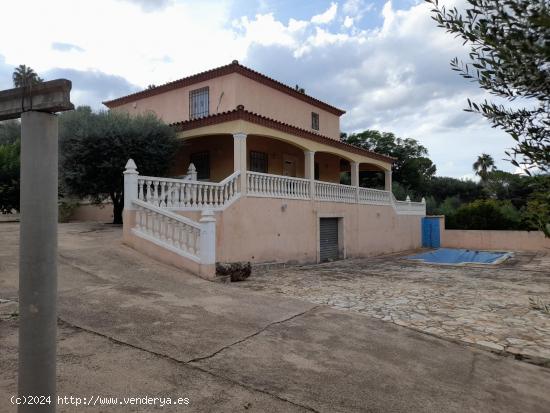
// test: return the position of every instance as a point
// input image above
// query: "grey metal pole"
(38, 260)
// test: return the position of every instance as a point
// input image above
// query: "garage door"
(328, 239)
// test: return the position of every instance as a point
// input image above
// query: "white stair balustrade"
(277, 186)
(168, 230)
(181, 194)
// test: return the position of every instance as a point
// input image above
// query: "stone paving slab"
(481, 305)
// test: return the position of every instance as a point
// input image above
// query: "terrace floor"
(481, 305)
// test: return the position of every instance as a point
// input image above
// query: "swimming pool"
(460, 256)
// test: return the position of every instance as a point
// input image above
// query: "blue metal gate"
(430, 232)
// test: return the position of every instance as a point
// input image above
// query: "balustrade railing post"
(207, 245)
(130, 184)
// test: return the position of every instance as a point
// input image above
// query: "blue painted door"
(430, 232)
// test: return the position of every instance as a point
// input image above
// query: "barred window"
(258, 162)
(314, 121)
(198, 103)
(201, 160)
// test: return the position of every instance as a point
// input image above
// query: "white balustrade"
(326, 191)
(408, 207)
(174, 232)
(277, 186)
(186, 194)
(374, 196)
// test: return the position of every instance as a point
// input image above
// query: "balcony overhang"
(240, 120)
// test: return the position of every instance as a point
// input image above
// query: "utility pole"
(38, 235)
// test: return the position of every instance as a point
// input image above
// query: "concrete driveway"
(131, 327)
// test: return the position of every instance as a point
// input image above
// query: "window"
(314, 121)
(201, 160)
(198, 103)
(316, 171)
(258, 162)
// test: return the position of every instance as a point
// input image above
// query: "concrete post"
(309, 171)
(387, 180)
(208, 238)
(239, 158)
(38, 259)
(130, 184)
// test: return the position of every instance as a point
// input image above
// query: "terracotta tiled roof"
(234, 67)
(241, 114)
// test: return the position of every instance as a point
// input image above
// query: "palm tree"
(483, 165)
(24, 76)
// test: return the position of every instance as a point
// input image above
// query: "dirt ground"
(130, 327)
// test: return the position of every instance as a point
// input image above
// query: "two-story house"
(262, 163)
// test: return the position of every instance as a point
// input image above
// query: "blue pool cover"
(460, 256)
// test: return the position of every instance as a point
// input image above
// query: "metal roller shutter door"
(328, 239)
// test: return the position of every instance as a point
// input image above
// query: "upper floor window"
(314, 121)
(198, 103)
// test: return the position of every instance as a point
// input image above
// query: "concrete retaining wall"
(282, 230)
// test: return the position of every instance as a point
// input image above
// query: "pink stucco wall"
(282, 230)
(173, 106)
(495, 240)
(90, 212)
(226, 92)
(262, 99)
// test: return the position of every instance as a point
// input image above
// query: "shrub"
(487, 214)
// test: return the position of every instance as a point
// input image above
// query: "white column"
(130, 184)
(208, 237)
(239, 158)
(309, 171)
(387, 180)
(354, 173)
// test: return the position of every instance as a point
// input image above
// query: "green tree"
(24, 76)
(441, 188)
(536, 214)
(96, 146)
(412, 167)
(10, 131)
(516, 188)
(485, 214)
(483, 165)
(9, 177)
(510, 55)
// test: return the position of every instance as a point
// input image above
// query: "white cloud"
(348, 22)
(327, 16)
(121, 38)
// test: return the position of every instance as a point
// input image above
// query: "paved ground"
(483, 305)
(132, 327)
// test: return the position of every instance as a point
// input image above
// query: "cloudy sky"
(384, 62)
